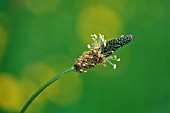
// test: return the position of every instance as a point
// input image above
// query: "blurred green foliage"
(41, 38)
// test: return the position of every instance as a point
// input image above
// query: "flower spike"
(100, 51)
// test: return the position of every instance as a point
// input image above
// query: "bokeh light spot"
(63, 92)
(38, 72)
(68, 92)
(40, 7)
(98, 19)
(28, 87)
(33, 77)
(10, 92)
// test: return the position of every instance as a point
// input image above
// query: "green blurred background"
(41, 38)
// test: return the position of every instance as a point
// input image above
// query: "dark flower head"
(100, 52)
(115, 43)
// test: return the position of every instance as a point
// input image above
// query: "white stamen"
(95, 35)
(115, 57)
(104, 43)
(114, 66)
(99, 40)
(89, 46)
(110, 57)
(118, 59)
(102, 39)
(95, 41)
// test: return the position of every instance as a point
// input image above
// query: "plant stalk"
(44, 86)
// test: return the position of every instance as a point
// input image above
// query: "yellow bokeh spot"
(28, 87)
(98, 19)
(38, 72)
(3, 39)
(41, 7)
(64, 92)
(10, 92)
(68, 91)
(33, 77)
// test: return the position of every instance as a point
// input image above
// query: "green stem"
(42, 88)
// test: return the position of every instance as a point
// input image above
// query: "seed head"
(100, 51)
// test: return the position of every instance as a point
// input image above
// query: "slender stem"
(42, 88)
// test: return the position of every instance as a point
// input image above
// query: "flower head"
(100, 51)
